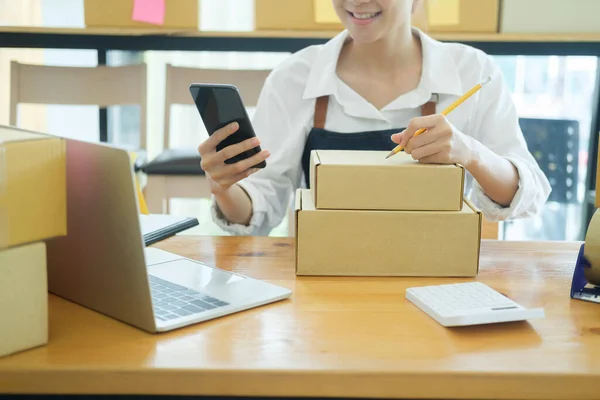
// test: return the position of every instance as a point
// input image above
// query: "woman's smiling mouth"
(363, 17)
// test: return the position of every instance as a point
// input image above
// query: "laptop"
(102, 263)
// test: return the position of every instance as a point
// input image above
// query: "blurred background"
(559, 91)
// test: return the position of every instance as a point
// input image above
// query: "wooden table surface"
(343, 337)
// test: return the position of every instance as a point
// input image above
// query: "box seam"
(462, 185)
(480, 216)
(318, 163)
(297, 217)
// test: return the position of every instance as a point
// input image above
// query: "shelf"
(298, 34)
(274, 41)
(169, 32)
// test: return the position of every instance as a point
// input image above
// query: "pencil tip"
(389, 155)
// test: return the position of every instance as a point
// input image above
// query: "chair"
(554, 144)
(176, 173)
(102, 86)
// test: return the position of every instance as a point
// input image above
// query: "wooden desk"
(343, 337)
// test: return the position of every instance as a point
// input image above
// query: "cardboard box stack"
(436, 16)
(32, 210)
(175, 15)
(367, 216)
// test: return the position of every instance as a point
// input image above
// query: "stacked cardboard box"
(436, 16)
(177, 15)
(368, 216)
(32, 210)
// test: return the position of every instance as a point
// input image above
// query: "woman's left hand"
(441, 143)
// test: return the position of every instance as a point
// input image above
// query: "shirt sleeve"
(270, 189)
(496, 125)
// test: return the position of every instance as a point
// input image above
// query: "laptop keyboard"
(172, 301)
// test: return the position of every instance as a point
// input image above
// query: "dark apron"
(321, 139)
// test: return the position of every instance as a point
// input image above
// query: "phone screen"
(219, 106)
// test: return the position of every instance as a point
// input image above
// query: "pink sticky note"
(151, 11)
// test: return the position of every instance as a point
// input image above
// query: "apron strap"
(322, 104)
(428, 108)
(321, 112)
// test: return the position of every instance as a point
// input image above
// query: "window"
(554, 91)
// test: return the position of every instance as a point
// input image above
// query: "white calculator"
(471, 303)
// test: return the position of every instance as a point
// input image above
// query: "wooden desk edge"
(340, 384)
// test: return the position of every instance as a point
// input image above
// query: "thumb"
(398, 137)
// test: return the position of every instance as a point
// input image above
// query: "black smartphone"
(220, 105)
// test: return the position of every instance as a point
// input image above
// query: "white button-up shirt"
(284, 117)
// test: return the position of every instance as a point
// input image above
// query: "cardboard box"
(459, 16)
(33, 187)
(436, 16)
(294, 15)
(386, 243)
(23, 298)
(179, 15)
(550, 16)
(366, 180)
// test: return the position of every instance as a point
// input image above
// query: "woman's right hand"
(222, 176)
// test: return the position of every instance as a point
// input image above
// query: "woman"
(371, 88)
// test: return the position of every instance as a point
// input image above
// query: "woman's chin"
(360, 36)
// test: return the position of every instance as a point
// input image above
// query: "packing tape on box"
(592, 250)
(3, 197)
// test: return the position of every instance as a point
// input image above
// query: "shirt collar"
(322, 77)
(440, 72)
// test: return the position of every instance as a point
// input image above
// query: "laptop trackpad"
(157, 256)
(193, 275)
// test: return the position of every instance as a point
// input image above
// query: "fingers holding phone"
(232, 151)
(216, 162)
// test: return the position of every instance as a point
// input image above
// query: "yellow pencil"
(140, 196)
(138, 190)
(447, 111)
